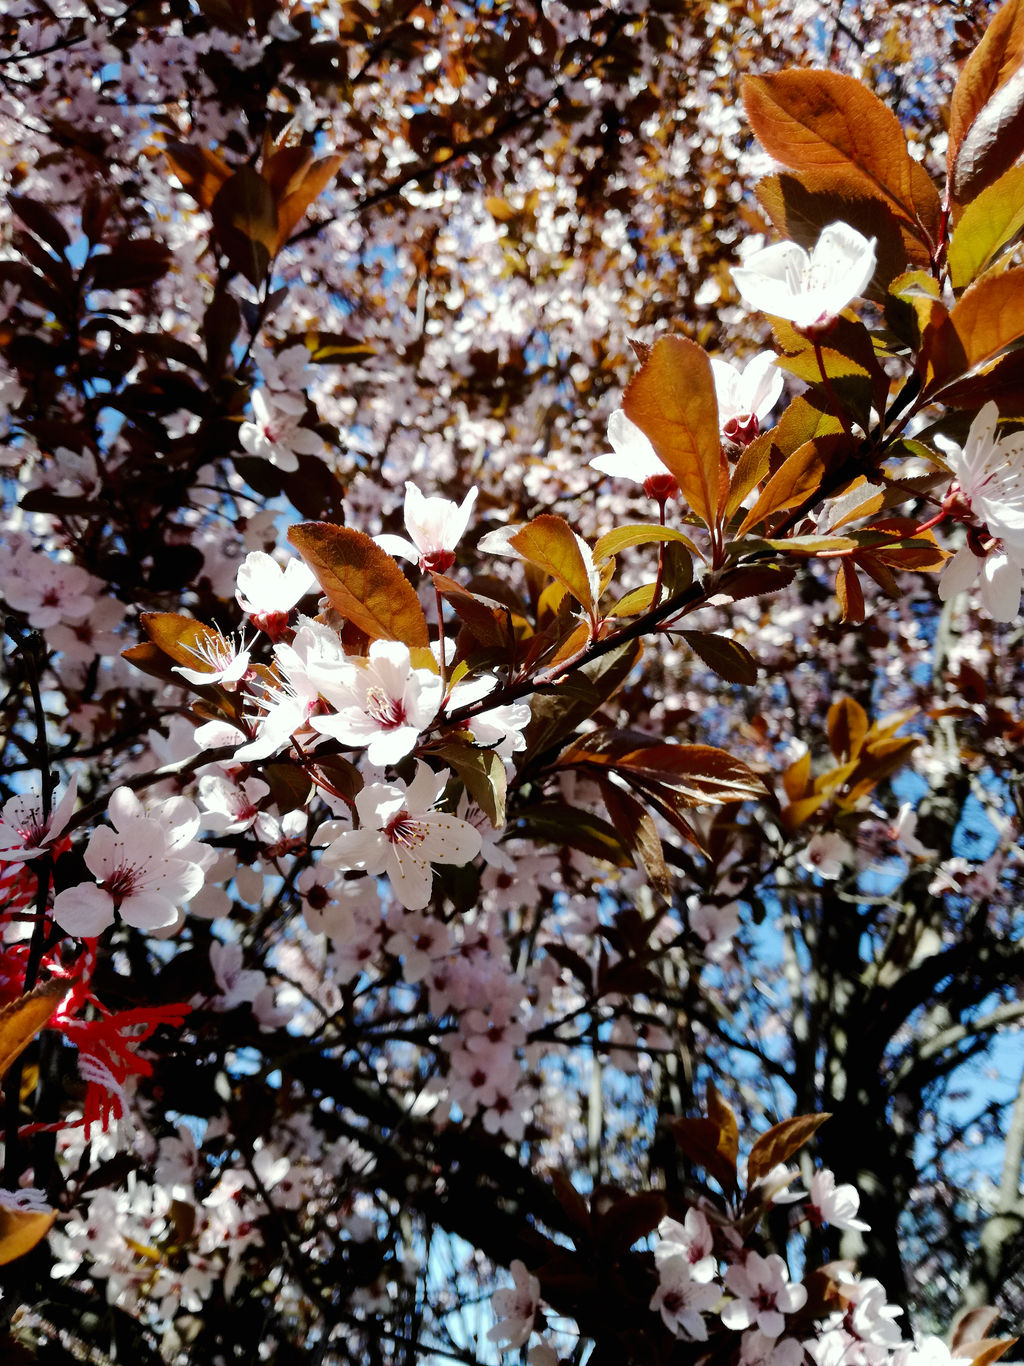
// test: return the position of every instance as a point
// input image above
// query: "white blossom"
(809, 290)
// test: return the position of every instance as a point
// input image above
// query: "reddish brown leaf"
(699, 1140)
(245, 223)
(727, 658)
(302, 194)
(849, 593)
(21, 1230)
(797, 479)
(672, 400)
(986, 132)
(23, 1018)
(825, 121)
(201, 171)
(780, 1143)
(847, 726)
(362, 582)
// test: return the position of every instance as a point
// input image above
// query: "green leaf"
(362, 582)
(988, 223)
(672, 400)
(727, 658)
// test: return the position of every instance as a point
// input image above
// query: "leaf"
(847, 726)
(699, 1140)
(245, 223)
(989, 317)
(482, 773)
(986, 133)
(672, 400)
(796, 480)
(727, 658)
(23, 1018)
(612, 542)
(779, 1143)
(201, 171)
(556, 823)
(558, 713)
(721, 1112)
(185, 640)
(295, 203)
(362, 582)
(987, 224)
(797, 776)
(849, 593)
(46, 225)
(698, 774)
(627, 1219)
(825, 121)
(132, 263)
(550, 543)
(636, 826)
(21, 1230)
(850, 382)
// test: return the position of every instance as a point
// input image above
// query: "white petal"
(1000, 588)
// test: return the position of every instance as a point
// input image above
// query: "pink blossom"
(763, 1294)
(25, 832)
(275, 434)
(516, 1308)
(435, 527)
(832, 1204)
(382, 703)
(401, 835)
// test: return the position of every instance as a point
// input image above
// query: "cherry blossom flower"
(633, 457)
(144, 868)
(383, 703)
(226, 663)
(987, 494)
(48, 592)
(500, 728)
(401, 835)
(682, 1300)
(275, 435)
(832, 1204)
(692, 1240)
(229, 807)
(747, 396)
(809, 290)
(516, 1306)
(25, 833)
(763, 1294)
(825, 854)
(435, 526)
(268, 591)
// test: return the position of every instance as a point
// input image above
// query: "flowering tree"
(437, 851)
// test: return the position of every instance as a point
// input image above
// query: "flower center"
(405, 829)
(125, 881)
(437, 561)
(388, 712)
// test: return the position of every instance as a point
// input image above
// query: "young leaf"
(700, 1141)
(21, 1230)
(362, 582)
(636, 826)
(550, 543)
(780, 1143)
(23, 1018)
(698, 774)
(987, 224)
(721, 1112)
(986, 132)
(481, 772)
(672, 400)
(849, 593)
(245, 223)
